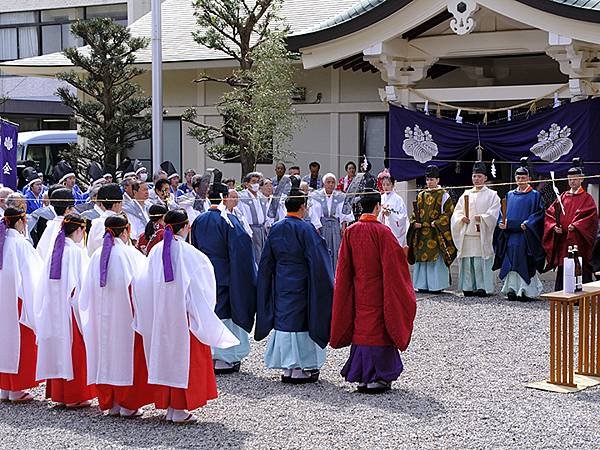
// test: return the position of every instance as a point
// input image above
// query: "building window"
(33, 33)
(16, 40)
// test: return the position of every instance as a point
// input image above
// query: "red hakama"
(133, 397)
(202, 384)
(76, 390)
(25, 377)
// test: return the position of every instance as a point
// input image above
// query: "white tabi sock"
(129, 412)
(115, 410)
(222, 364)
(299, 373)
(169, 413)
(287, 372)
(3, 394)
(17, 395)
(181, 414)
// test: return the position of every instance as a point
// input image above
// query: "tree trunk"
(248, 161)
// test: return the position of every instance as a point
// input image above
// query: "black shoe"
(423, 291)
(523, 298)
(436, 292)
(511, 296)
(378, 387)
(468, 293)
(233, 369)
(480, 293)
(286, 379)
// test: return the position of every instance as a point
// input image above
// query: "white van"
(44, 147)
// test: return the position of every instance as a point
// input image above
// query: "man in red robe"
(577, 224)
(374, 303)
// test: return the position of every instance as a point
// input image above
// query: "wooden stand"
(562, 370)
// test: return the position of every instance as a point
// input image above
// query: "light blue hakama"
(237, 353)
(476, 273)
(514, 283)
(431, 276)
(293, 350)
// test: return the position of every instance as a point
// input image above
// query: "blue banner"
(551, 139)
(8, 154)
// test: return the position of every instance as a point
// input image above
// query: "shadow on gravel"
(497, 300)
(400, 400)
(145, 432)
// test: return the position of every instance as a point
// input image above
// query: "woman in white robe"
(19, 269)
(175, 301)
(61, 351)
(393, 209)
(115, 353)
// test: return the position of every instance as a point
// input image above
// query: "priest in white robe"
(473, 232)
(115, 353)
(19, 270)
(61, 351)
(175, 302)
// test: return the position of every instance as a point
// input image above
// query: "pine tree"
(111, 110)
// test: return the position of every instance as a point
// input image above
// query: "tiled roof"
(589, 4)
(178, 23)
(354, 11)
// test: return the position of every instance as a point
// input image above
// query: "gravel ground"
(463, 387)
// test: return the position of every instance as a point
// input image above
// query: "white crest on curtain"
(419, 144)
(553, 144)
(8, 143)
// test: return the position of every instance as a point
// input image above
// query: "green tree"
(257, 110)
(111, 110)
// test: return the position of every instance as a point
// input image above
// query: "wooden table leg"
(561, 343)
(589, 336)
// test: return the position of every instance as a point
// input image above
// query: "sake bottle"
(578, 271)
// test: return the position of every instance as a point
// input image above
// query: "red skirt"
(202, 385)
(25, 377)
(77, 389)
(134, 396)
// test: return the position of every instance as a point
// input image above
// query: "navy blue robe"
(230, 252)
(519, 250)
(295, 282)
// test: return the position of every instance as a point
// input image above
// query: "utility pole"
(157, 90)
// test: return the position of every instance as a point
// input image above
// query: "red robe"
(25, 378)
(76, 390)
(374, 300)
(581, 212)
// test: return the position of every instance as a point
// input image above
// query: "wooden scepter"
(503, 203)
(416, 211)
(466, 200)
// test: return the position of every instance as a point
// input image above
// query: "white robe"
(485, 203)
(97, 230)
(167, 312)
(46, 242)
(107, 317)
(18, 278)
(397, 221)
(53, 307)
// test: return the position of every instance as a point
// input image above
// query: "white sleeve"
(315, 214)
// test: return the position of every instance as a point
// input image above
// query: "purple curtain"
(551, 139)
(8, 154)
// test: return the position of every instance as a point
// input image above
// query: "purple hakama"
(370, 363)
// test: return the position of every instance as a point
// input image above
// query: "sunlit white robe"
(167, 312)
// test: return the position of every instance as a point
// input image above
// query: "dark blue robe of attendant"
(519, 250)
(295, 282)
(230, 252)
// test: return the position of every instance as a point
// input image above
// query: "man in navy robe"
(518, 240)
(220, 236)
(295, 294)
